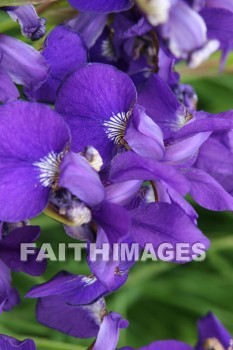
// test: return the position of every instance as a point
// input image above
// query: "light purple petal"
(109, 332)
(185, 30)
(89, 26)
(31, 25)
(81, 179)
(144, 136)
(8, 91)
(22, 62)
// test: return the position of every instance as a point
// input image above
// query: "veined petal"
(96, 102)
(32, 140)
(22, 62)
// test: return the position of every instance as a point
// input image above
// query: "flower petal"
(95, 101)
(101, 6)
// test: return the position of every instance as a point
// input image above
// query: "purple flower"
(31, 25)
(82, 321)
(10, 343)
(35, 161)
(20, 64)
(63, 51)
(99, 103)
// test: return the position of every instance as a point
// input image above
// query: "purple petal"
(122, 193)
(81, 179)
(160, 223)
(179, 153)
(144, 136)
(75, 289)
(205, 122)
(64, 51)
(22, 62)
(10, 249)
(29, 134)
(89, 26)
(31, 25)
(130, 166)
(9, 343)
(101, 6)
(207, 192)
(210, 327)
(77, 321)
(8, 91)
(109, 332)
(95, 100)
(162, 105)
(185, 30)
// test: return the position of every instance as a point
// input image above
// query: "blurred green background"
(160, 300)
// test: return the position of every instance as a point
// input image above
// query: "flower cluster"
(106, 140)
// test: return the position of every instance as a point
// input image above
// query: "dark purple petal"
(8, 91)
(22, 62)
(31, 25)
(210, 327)
(9, 343)
(77, 321)
(207, 192)
(101, 6)
(109, 332)
(10, 248)
(30, 136)
(64, 51)
(75, 289)
(95, 102)
(161, 105)
(81, 179)
(130, 166)
(159, 223)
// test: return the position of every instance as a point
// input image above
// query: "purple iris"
(35, 162)
(11, 238)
